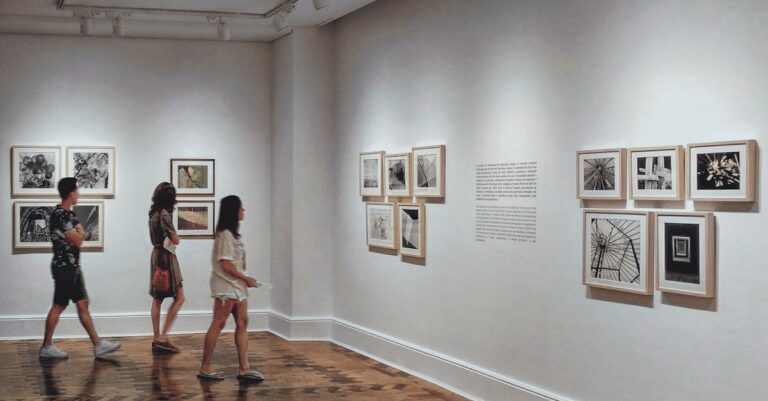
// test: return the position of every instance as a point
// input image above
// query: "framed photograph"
(381, 225)
(35, 170)
(397, 174)
(657, 173)
(91, 216)
(194, 177)
(371, 174)
(412, 229)
(94, 169)
(618, 250)
(195, 219)
(601, 174)
(685, 253)
(30, 224)
(429, 171)
(722, 171)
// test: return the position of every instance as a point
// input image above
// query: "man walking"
(67, 235)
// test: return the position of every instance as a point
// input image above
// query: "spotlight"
(86, 24)
(320, 4)
(223, 29)
(119, 27)
(279, 21)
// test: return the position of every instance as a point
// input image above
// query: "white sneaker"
(105, 347)
(51, 352)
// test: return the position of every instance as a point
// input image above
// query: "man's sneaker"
(105, 347)
(51, 352)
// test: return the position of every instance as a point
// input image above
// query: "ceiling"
(245, 20)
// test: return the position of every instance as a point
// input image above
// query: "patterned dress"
(160, 227)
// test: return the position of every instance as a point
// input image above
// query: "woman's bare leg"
(221, 311)
(240, 313)
(178, 301)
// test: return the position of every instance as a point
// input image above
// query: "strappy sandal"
(253, 376)
(164, 346)
(210, 376)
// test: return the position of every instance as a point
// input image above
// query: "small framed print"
(94, 169)
(194, 177)
(371, 174)
(91, 216)
(412, 229)
(35, 170)
(30, 224)
(381, 225)
(657, 173)
(195, 219)
(617, 250)
(685, 253)
(429, 171)
(601, 174)
(397, 174)
(722, 171)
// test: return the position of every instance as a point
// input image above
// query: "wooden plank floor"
(293, 371)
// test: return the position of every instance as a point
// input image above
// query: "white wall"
(153, 100)
(536, 81)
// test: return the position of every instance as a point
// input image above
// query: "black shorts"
(69, 285)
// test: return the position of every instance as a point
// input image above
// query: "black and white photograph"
(412, 227)
(35, 170)
(657, 173)
(194, 177)
(91, 216)
(723, 171)
(381, 225)
(654, 173)
(616, 250)
(31, 220)
(684, 241)
(601, 174)
(429, 171)
(195, 219)
(397, 174)
(371, 173)
(94, 169)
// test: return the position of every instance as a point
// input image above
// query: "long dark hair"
(229, 215)
(164, 198)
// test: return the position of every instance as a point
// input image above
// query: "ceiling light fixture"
(320, 4)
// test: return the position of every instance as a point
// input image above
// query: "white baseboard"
(466, 379)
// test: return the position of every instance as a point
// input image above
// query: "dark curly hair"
(164, 198)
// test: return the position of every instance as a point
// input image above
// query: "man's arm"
(75, 236)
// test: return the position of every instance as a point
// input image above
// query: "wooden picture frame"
(36, 170)
(686, 253)
(371, 173)
(381, 225)
(195, 219)
(194, 177)
(657, 173)
(601, 174)
(428, 171)
(397, 174)
(618, 250)
(412, 229)
(722, 171)
(94, 167)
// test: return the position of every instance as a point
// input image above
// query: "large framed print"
(195, 219)
(685, 253)
(91, 217)
(381, 225)
(657, 173)
(723, 171)
(397, 174)
(94, 169)
(601, 174)
(31, 221)
(412, 229)
(617, 250)
(429, 171)
(371, 183)
(194, 177)
(35, 170)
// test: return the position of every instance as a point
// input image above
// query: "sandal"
(164, 346)
(210, 376)
(253, 376)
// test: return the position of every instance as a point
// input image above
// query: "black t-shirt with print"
(64, 253)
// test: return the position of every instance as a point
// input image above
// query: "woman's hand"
(251, 282)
